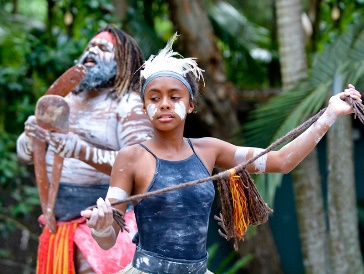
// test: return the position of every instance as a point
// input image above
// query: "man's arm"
(133, 127)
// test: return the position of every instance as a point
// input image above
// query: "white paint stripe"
(260, 163)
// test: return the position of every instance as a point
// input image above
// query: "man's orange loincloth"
(56, 251)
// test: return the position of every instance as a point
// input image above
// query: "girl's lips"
(165, 118)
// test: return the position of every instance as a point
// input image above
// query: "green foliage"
(17, 198)
(12, 174)
(240, 40)
(230, 265)
(282, 113)
(9, 170)
(348, 11)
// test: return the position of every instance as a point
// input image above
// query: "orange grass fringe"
(56, 251)
(241, 206)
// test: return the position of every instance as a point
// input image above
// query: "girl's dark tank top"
(174, 224)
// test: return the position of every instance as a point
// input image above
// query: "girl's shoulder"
(207, 142)
(132, 153)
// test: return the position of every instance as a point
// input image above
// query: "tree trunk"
(306, 176)
(216, 108)
(344, 249)
(291, 42)
(266, 259)
(311, 214)
(121, 10)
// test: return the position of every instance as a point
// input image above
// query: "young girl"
(173, 226)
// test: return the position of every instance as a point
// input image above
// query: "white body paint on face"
(240, 154)
(151, 110)
(260, 163)
(180, 109)
(106, 55)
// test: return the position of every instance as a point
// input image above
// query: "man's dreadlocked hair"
(129, 58)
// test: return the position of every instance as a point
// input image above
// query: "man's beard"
(98, 76)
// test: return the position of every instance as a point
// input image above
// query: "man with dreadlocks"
(172, 226)
(105, 116)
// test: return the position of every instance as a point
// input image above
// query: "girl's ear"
(144, 109)
(191, 108)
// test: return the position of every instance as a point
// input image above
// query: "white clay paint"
(106, 56)
(116, 193)
(240, 154)
(101, 121)
(261, 162)
(25, 148)
(180, 109)
(151, 111)
(103, 156)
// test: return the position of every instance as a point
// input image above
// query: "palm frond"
(236, 27)
(345, 57)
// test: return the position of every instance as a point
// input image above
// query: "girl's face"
(167, 101)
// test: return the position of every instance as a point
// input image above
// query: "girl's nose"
(165, 104)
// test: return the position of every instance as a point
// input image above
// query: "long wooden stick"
(48, 193)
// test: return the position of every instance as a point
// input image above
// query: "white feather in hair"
(166, 61)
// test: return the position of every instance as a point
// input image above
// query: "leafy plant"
(230, 265)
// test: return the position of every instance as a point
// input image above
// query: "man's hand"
(63, 144)
(32, 130)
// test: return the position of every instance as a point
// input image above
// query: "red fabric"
(102, 261)
(114, 259)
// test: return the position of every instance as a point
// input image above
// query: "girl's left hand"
(339, 106)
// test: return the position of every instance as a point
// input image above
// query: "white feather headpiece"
(166, 61)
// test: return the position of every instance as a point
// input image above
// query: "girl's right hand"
(100, 218)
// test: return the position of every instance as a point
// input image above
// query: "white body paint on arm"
(260, 164)
(117, 193)
(295, 151)
(240, 154)
(24, 148)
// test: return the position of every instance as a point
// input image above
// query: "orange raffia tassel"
(240, 205)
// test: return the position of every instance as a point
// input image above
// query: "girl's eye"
(175, 98)
(154, 98)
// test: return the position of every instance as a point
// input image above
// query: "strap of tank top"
(147, 149)
(190, 143)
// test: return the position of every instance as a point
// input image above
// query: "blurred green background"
(269, 65)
